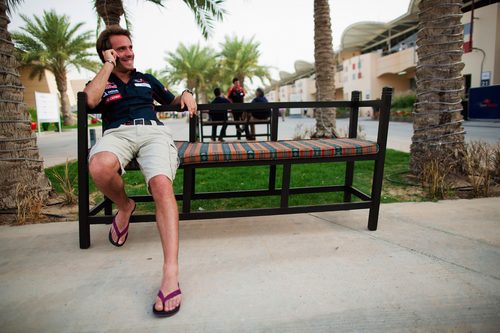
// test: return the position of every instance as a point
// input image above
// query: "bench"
(205, 121)
(195, 155)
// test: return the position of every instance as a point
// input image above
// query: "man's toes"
(158, 305)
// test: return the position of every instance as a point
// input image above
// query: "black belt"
(142, 121)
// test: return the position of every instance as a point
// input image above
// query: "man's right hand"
(110, 55)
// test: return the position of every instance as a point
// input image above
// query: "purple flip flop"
(118, 232)
(163, 300)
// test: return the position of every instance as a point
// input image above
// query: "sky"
(284, 28)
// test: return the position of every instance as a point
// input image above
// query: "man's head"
(119, 40)
(236, 82)
(259, 92)
(217, 92)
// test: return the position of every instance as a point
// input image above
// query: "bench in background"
(205, 121)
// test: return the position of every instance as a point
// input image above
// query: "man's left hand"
(187, 100)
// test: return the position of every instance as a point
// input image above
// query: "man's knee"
(161, 186)
(103, 165)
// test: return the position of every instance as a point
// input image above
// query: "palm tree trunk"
(110, 11)
(438, 132)
(62, 87)
(325, 69)
(22, 168)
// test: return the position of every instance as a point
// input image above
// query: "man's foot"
(221, 140)
(169, 285)
(119, 229)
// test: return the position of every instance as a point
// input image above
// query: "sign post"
(47, 109)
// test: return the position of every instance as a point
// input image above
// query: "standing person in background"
(219, 115)
(236, 94)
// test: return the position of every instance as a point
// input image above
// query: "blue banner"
(484, 102)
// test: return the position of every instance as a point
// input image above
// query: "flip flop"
(163, 300)
(118, 232)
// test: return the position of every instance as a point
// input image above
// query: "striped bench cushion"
(194, 153)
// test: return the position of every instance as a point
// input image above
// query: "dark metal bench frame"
(88, 216)
(247, 122)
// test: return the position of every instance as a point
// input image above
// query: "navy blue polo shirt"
(122, 102)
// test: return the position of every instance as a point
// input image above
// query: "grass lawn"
(256, 177)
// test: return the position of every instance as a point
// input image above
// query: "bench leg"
(285, 187)
(272, 177)
(84, 226)
(83, 204)
(349, 175)
(108, 207)
(188, 189)
(378, 174)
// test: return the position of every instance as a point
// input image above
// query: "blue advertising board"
(484, 102)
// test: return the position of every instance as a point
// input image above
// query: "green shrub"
(403, 101)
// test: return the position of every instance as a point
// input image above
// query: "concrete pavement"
(55, 147)
(431, 267)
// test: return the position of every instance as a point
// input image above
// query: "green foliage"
(50, 42)
(66, 184)
(33, 115)
(202, 68)
(403, 101)
(240, 58)
(342, 112)
(197, 66)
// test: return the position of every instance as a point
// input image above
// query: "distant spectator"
(219, 115)
(236, 94)
(258, 114)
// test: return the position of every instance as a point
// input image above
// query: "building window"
(359, 75)
(353, 66)
(353, 76)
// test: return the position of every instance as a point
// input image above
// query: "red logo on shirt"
(113, 98)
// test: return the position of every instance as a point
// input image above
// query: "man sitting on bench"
(258, 114)
(218, 115)
(132, 130)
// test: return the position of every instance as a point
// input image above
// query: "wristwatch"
(186, 90)
(111, 61)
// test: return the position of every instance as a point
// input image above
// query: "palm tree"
(324, 63)
(20, 162)
(437, 122)
(240, 58)
(50, 43)
(192, 65)
(205, 12)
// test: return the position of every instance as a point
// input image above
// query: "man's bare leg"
(167, 219)
(103, 168)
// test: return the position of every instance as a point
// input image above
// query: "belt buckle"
(139, 121)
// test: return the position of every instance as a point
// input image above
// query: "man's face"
(237, 83)
(123, 47)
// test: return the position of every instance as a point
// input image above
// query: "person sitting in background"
(218, 115)
(258, 114)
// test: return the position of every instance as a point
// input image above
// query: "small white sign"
(485, 75)
(47, 109)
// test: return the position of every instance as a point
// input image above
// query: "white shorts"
(151, 145)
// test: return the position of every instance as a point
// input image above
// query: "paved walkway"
(431, 267)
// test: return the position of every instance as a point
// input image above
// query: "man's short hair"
(259, 92)
(103, 43)
(217, 92)
(235, 79)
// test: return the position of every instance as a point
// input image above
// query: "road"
(55, 147)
